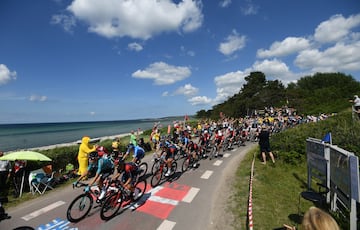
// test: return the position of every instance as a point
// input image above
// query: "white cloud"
(6, 75)
(275, 69)
(163, 74)
(336, 28)
(37, 98)
(233, 43)
(190, 53)
(288, 46)
(165, 94)
(225, 3)
(187, 90)
(200, 100)
(341, 57)
(135, 46)
(228, 84)
(68, 22)
(249, 9)
(138, 19)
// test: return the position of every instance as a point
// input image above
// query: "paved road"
(190, 201)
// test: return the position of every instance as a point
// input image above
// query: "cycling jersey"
(218, 138)
(103, 167)
(139, 152)
(170, 151)
(194, 147)
(130, 171)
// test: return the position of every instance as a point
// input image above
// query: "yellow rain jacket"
(83, 155)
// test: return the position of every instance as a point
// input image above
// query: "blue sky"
(91, 60)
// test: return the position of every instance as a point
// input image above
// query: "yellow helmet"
(115, 145)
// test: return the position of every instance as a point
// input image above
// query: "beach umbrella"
(24, 155)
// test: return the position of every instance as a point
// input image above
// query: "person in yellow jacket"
(83, 156)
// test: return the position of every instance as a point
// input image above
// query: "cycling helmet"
(93, 155)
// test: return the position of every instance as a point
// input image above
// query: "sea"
(32, 135)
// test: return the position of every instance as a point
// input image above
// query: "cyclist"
(139, 153)
(103, 167)
(193, 149)
(168, 152)
(218, 140)
(129, 173)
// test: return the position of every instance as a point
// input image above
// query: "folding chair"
(40, 182)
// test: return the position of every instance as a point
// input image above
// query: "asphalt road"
(192, 200)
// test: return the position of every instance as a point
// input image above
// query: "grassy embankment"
(276, 188)
(61, 156)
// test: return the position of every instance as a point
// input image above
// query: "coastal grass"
(61, 156)
(276, 187)
(275, 197)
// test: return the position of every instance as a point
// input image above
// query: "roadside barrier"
(250, 205)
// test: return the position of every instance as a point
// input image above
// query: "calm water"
(24, 136)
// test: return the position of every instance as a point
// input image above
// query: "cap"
(115, 145)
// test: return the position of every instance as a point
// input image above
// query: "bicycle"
(161, 171)
(156, 164)
(80, 207)
(142, 168)
(188, 162)
(213, 151)
(120, 194)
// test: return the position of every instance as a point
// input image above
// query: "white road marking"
(206, 174)
(163, 200)
(166, 225)
(217, 163)
(42, 211)
(226, 155)
(190, 195)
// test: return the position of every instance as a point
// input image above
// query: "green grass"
(276, 190)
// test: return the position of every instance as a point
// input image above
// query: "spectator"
(264, 142)
(133, 138)
(18, 173)
(5, 170)
(356, 105)
(316, 219)
(83, 155)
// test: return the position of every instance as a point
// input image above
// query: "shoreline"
(78, 142)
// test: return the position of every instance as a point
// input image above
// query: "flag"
(327, 138)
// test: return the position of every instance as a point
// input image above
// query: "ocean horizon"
(35, 135)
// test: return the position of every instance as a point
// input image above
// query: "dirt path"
(221, 216)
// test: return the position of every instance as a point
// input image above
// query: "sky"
(91, 60)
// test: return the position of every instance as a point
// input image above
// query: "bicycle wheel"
(140, 189)
(79, 207)
(212, 153)
(111, 206)
(155, 167)
(177, 156)
(173, 167)
(143, 167)
(185, 164)
(156, 178)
